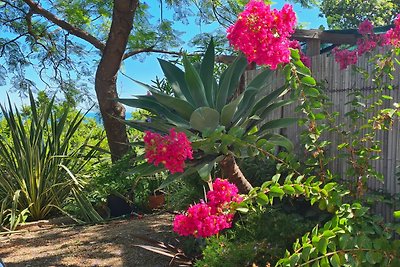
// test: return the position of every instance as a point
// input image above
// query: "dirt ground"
(116, 243)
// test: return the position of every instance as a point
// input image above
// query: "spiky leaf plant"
(34, 156)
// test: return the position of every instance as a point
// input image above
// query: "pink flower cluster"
(368, 42)
(263, 34)
(345, 57)
(171, 150)
(393, 35)
(207, 219)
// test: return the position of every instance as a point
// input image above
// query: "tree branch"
(152, 50)
(36, 8)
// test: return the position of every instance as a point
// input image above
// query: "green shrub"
(39, 163)
(261, 237)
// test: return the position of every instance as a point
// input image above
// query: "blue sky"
(148, 69)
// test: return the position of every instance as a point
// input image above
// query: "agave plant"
(37, 163)
(220, 121)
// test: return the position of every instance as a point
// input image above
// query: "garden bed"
(111, 244)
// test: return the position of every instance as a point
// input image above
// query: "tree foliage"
(57, 39)
(347, 14)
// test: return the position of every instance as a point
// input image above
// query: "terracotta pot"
(156, 201)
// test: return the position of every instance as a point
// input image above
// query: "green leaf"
(181, 107)
(396, 214)
(245, 105)
(288, 189)
(261, 79)
(229, 110)
(271, 97)
(242, 209)
(205, 170)
(308, 80)
(149, 103)
(176, 78)
(374, 257)
(229, 81)
(262, 198)
(322, 245)
(309, 91)
(335, 260)
(195, 84)
(206, 73)
(298, 188)
(204, 118)
(278, 123)
(276, 191)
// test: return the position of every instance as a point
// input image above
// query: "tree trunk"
(232, 172)
(106, 77)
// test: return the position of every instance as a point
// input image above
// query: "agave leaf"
(260, 81)
(271, 97)
(149, 126)
(195, 84)
(204, 118)
(176, 78)
(181, 107)
(229, 81)
(206, 73)
(266, 111)
(245, 105)
(278, 123)
(149, 103)
(229, 110)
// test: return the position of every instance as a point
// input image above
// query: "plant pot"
(156, 201)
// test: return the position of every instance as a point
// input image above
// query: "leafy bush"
(258, 238)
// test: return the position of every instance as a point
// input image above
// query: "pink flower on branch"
(393, 35)
(171, 150)
(263, 34)
(207, 219)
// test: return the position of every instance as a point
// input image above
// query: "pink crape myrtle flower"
(207, 219)
(171, 150)
(345, 57)
(367, 43)
(365, 27)
(393, 35)
(263, 34)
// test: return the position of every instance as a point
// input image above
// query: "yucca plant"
(220, 120)
(36, 161)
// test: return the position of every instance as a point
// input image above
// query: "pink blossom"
(171, 150)
(262, 34)
(393, 35)
(365, 27)
(345, 57)
(207, 219)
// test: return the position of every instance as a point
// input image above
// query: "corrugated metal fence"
(339, 84)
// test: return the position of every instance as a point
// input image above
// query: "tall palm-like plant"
(220, 122)
(37, 162)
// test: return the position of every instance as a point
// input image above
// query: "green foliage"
(258, 238)
(349, 14)
(39, 162)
